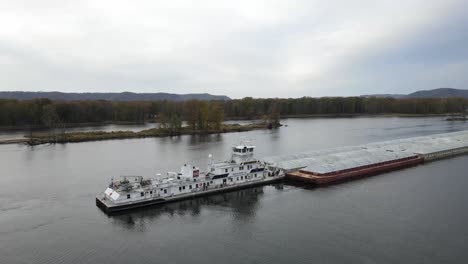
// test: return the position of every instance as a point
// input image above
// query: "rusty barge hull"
(351, 174)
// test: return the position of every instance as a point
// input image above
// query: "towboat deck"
(109, 207)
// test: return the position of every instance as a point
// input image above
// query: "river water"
(416, 215)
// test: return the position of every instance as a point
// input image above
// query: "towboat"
(242, 170)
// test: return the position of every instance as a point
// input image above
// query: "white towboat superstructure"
(240, 171)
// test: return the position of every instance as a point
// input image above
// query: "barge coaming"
(324, 179)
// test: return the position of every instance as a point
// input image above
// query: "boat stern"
(103, 204)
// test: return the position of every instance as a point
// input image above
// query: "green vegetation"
(203, 115)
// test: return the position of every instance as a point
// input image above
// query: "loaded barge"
(347, 163)
(307, 175)
(241, 171)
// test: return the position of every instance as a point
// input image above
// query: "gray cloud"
(241, 48)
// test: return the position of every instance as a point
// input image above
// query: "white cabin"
(242, 168)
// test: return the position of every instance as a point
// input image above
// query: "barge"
(322, 167)
(308, 176)
(242, 170)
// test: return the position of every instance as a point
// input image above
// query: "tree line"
(203, 115)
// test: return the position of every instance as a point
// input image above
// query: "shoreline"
(70, 125)
(233, 118)
(45, 137)
(74, 137)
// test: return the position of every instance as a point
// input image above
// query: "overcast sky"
(236, 48)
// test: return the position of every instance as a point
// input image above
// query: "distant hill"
(125, 96)
(440, 93)
(435, 93)
(385, 95)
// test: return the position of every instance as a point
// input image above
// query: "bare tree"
(51, 120)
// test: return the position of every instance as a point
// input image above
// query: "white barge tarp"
(335, 159)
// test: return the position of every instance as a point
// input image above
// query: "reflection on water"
(241, 203)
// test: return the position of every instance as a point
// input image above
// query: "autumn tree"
(203, 111)
(51, 120)
(215, 115)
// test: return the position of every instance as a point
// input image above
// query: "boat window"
(128, 196)
(211, 182)
(242, 177)
(180, 189)
(196, 185)
(190, 186)
(165, 191)
(232, 169)
(226, 170)
(151, 192)
(183, 187)
(142, 194)
(237, 179)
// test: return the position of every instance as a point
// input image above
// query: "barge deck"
(346, 163)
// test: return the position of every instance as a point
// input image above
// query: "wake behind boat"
(241, 171)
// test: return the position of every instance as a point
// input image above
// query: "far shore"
(46, 137)
(70, 125)
(70, 137)
(106, 123)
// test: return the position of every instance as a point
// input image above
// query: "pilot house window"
(128, 196)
